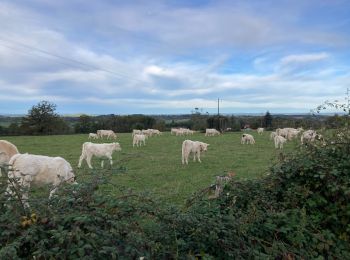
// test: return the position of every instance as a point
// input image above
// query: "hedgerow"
(300, 210)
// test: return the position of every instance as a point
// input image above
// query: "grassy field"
(157, 167)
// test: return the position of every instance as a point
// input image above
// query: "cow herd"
(27, 169)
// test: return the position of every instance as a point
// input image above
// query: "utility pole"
(218, 114)
(348, 98)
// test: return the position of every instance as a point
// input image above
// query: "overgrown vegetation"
(300, 210)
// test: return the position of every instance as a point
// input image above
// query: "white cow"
(93, 136)
(288, 132)
(194, 147)
(308, 136)
(211, 132)
(279, 141)
(173, 131)
(99, 150)
(135, 131)
(148, 132)
(247, 139)
(7, 150)
(138, 140)
(106, 133)
(292, 133)
(180, 131)
(156, 132)
(282, 132)
(260, 130)
(27, 169)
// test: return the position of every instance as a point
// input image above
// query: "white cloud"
(304, 58)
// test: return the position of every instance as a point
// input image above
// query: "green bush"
(300, 210)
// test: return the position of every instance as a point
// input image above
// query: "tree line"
(42, 119)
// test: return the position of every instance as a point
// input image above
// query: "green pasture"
(156, 167)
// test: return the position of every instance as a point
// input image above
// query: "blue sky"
(168, 57)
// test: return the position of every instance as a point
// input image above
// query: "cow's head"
(117, 147)
(65, 173)
(204, 146)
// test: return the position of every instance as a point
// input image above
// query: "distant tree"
(42, 119)
(84, 124)
(267, 120)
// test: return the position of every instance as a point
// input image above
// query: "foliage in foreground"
(300, 210)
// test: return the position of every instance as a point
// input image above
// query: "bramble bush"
(300, 210)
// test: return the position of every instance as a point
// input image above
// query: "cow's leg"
(110, 160)
(199, 157)
(102, 163)
(53, 191)
(80, 160)
(88, 160)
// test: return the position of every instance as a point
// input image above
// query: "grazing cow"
(7, 150)
(288, 132)
(260, 130)
(247, 139)
(156, 132)
(99, 150)
(292, 133)
(194, 147)
(211, 132)
(107, 133)
(93, 136)
(27, 169)
(148, 132)
(279, 141)
(135, 131)
(138, 140)
(173, 131)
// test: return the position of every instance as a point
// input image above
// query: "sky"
(170, 57)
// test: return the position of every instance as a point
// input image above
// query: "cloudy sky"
(168, 57)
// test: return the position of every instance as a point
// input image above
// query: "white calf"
(194, 147)
(138, 140)
(247, 139)
(260, 130)
(93, 136)
(156, 132)
(135, 131)
(308, 136)
(106, 133)
(279, 141)
(148, 132)
(99, 150)
(28, 169)
(211, 132)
